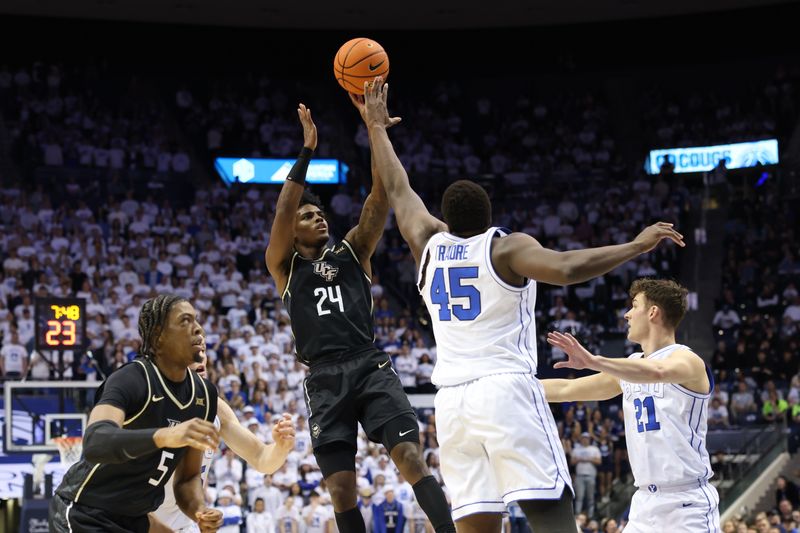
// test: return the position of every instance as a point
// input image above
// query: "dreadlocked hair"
(152, 320)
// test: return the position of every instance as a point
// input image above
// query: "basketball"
(357, 61)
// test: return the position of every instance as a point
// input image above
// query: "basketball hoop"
(70, 449)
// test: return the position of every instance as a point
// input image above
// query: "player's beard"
(197, 357)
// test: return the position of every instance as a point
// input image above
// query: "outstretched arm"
(266, 458)
(527, 258)
(590, 388)
(416, 224)
(281, 237)
(365, 236)
(682, 366)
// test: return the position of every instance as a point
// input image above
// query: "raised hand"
(578, 357)
(197, 433)
(309, 129)
(375, 97)
(358, 102)
(283, 433)
(652, 235)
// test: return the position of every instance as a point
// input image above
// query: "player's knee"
(342, 488)
(407, 456)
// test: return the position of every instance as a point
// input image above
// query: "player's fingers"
(562, 364)
(556, 343)
(209, 437)
(197, 445)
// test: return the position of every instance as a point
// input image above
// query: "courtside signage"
(259, 170)
(705, 158)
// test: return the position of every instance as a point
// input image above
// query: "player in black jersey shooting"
(153, 417)
(326, 291)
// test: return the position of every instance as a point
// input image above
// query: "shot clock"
(60, 323)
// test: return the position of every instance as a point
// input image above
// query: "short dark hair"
(668, 295)
(466, 207)
(310, 198)
(153, 318)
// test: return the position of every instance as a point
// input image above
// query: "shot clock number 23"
(60, 323)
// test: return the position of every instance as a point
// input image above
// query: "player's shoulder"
(132, 371)
(682, 350)
(212, 389)
(343, 248)
(506, 240)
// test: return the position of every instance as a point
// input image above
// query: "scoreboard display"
(60, 323)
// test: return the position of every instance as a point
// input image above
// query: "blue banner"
(705, 158)
(257, 170)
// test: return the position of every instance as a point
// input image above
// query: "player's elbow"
(662, 374)
(97, 444)
(570, 270)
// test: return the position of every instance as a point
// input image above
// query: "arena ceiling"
(352, 14)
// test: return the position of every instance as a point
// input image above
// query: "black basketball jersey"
(330, 304)
(136, 487)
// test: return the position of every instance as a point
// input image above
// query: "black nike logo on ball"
(374, 67)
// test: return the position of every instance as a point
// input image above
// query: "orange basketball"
(357, 61)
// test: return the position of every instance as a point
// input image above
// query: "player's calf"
(551, 516)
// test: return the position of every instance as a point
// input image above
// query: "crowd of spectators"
(86, 117)
(117, 244)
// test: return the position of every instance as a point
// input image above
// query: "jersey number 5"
(650, 405)
(334, 294)
(162, 467)
(441, 297)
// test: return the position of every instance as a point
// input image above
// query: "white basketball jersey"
(482, 325)
(169, 512)
(665, 429)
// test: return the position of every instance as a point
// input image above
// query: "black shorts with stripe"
(360, 388)
(68, 517)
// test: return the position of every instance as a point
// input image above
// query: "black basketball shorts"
(69, 517)
(340, 394)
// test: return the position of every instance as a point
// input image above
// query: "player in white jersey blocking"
(666, 389)
(266, 458)
(498, 440)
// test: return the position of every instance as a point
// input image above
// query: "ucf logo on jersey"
(326, 271)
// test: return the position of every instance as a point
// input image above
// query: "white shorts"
(498, 443)
(689, 511)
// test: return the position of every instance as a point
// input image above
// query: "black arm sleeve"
(107, 443)
(125, 389)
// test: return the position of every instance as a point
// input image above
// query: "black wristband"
(298, 172)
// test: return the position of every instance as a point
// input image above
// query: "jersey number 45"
(441, 297)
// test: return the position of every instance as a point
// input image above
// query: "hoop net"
(70, 449)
